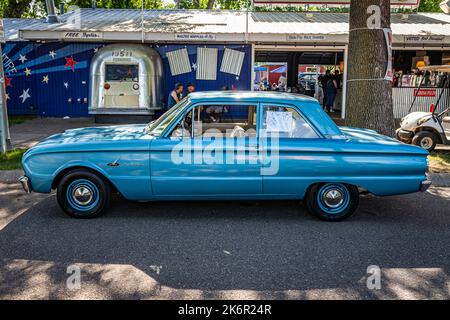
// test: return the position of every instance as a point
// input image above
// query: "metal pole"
(142, 22)
(415, 96)
(445, 84)
(246, 22)
(5, 139)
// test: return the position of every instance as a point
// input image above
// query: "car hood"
(409, 122)
(97, 134)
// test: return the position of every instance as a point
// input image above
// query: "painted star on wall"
(22, 58)
(52, 54)
(194, 66)
(70, 62)
(66, 84)
(7, 96)
(27, 72)
(25, 95)
(45, 79)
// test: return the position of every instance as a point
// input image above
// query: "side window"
(225, 121)
(286, 122)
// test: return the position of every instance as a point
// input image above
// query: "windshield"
(158, 126)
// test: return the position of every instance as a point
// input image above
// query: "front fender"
(77, 164)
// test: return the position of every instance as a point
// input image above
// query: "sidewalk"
(28, 133)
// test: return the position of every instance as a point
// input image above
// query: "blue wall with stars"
(41, 78)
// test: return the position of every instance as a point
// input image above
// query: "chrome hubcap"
(426, 143)
(333, 198)
(82, 195)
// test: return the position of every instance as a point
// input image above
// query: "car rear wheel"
(332, 201)
(83, 194)
(426, 140)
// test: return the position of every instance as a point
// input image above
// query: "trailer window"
(121, 72)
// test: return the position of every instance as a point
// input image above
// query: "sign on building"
(329, 3)
(5, 140)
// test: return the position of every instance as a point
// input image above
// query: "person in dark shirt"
(323, 81)
(190, 87)
(331, 92)
(338, 78)
(175, 95)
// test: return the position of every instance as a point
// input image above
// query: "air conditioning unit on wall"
(445, 6)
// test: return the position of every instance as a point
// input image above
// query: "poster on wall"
(232, 61)
(206, 63)
(389, 75)
(328, 3)
(2, 32)
(179, 61)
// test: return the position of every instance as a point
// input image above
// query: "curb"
(440, 179)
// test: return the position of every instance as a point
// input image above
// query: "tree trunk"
(210, 4)
(369, 95)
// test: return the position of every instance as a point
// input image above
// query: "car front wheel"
(83, 194)
(332, 201)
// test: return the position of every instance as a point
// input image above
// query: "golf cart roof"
(441, 68)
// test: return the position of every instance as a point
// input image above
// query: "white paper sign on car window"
(277, 121)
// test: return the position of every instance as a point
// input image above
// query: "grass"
(11, 159)
(12, 120)
(440, 161)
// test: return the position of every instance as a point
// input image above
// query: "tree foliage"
(36, 8)
(430, 6)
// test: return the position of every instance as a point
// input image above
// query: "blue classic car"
(227, 146)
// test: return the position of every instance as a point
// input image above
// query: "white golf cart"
(426, 129)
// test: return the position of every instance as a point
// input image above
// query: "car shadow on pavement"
(261, 250)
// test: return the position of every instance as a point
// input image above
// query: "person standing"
(190, 88)
(331, 92)
(323, 81)
(175, 95)
(282, 82)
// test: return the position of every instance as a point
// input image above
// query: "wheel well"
(61, 174)
(429, 129)
(360, 189)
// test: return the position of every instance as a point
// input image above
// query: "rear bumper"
(424, 185)
(26, 185)
(404, 136)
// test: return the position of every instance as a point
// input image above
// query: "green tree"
(430, 6)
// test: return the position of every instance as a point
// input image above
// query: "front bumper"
(26, 184)
(404, 136)
(424, 185)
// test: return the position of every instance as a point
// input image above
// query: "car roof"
(251, 96)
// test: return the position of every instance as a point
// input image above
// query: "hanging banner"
(2, 32)
(388, 37)
(328, 3)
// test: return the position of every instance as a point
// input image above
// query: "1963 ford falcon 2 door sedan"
(226, 146)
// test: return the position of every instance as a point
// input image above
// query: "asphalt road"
(208, 250)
